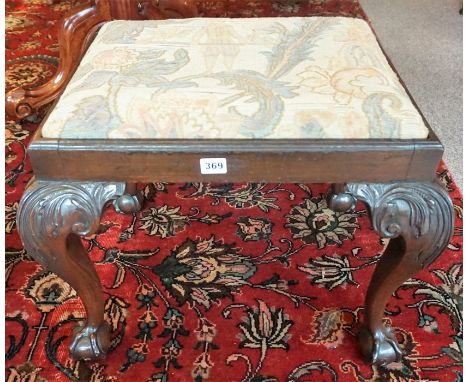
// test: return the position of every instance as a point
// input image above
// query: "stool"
(227, 100)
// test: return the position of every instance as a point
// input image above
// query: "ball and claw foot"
(90, 342)
(380, 348)
(418, 219)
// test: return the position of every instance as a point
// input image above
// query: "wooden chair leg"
(51, 218)
(418, 218)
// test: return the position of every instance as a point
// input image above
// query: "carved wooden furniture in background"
(394, 177)
(74, 36)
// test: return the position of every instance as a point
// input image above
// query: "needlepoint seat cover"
(207, 78)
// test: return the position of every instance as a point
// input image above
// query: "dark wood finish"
(177, 160)
(396, 176)
(418, 219)
(177, 8)
(51, 218)
(53, 215)
(247, 160)
(75, 34)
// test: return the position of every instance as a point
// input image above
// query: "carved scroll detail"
(51, 218)
(417, 211)
(52, 209)
(418, 218)
(74, 36)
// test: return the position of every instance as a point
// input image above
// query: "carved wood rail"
(75, 34)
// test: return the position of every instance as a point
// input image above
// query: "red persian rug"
(254, 298)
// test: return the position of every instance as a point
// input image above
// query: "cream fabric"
(315, 77)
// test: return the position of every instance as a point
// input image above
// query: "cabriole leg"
(418, 219)
(51, 218)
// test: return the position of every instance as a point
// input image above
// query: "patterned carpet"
(233, 282)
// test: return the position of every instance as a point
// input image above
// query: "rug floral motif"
(218, 282)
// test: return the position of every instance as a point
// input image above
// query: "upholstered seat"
(316, 77)
(183, 86)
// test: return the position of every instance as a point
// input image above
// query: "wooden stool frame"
(394, 178)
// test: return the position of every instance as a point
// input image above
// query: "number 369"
(214, 165)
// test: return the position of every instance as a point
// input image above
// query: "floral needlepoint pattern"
(215, 282)
(313, 222)
(202, 271)
(249, 79)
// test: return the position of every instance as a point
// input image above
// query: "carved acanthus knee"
(51, 218)
(418, 219)
(421, 213)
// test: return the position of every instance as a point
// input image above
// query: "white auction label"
(213, 165)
